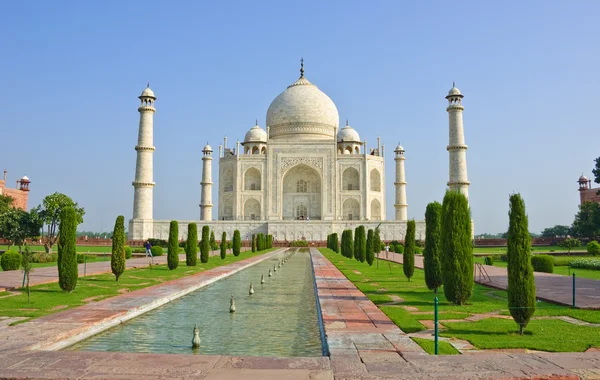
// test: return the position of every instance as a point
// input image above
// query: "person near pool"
(148, 248)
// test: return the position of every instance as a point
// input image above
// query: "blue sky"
(70, 74)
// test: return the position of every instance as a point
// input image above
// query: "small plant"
(27, 268)
(542, 263)
(399, 248)
(11, 260)
(488, 260)
(128, 252)
(593, 248)
(157, 250)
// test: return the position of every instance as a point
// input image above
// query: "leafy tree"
(205, 244)
(457, 248)
(17, 225)
(570, 243)
(173, 253)
(408, 257)
(223, 245)
(253, 243)
(556, 231)
(191, 246)
(237, 243)
(432, 251)
(370, 255)
(587, 220)
(521, 285)
(117, 258)
(213, 242)
(593, 248)
(49, 211)
(67, 249)
(6, 203)
(596, 172)
(360, 244)
(26, 261)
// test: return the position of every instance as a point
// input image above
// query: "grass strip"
(444, 348)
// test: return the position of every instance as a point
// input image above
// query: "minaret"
(458, 150)
(206, 197)
(144, 183)
(400, 183)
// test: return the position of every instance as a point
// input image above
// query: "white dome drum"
(304, 112)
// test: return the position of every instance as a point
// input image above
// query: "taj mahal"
(300, 178)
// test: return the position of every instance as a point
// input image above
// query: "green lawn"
(444, 348)
(547, 248)
(49, 298)
(562, 270)
(383, 286)
(90, 259)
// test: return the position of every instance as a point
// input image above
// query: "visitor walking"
(148, 248)
(387, 249)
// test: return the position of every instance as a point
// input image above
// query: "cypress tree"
(408, 257)
(117, 258)
(253, 243)
(329, 241)
(376, 242)
(521, 285)
(261, 242)
(213, 242)
(370, 255)
(223, 245)
(347, 244)
(173, 254)
(205, 244)
(67, 250)
(191, 247)
(457, 248)
(431, 253)
(237, 243)
(335, 242)
(360, 244)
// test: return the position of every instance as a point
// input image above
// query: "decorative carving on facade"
(315, 162)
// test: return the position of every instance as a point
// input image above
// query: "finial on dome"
(301, 67)
(256, 122)
(148, 84)
(346, 122)
(453, 85)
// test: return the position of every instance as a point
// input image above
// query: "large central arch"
(301, 187)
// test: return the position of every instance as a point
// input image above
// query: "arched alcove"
(252, 179)
(301, 187)
(375, 180)
(351, 209)
(252, 209)
(227, 180)
(350, 179)
(375, 210)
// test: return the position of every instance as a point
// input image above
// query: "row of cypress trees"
(333, 242)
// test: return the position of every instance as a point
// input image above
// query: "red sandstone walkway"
(550, 287)
(14, 279)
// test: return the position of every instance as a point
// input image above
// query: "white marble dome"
(302, 111)
(256, 134)
(148, 93)
(454, 91)
(207, 148)
(348, 134)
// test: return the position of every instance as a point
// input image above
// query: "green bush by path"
(593, 248)
(521, 285)
(299, 243)
(224, 245)
(586, 264)
(457, 249)
(398, 248)
(444, 348)
(205, 244)
(67, 251)
(173, 250)
(191, 245)
(10, 260)
(543, 263)
(408, 258)
(213, 243)
(370, 255)
(488, 260)
(157, 250)
(117, 259)
(128, 252)
(237, 243)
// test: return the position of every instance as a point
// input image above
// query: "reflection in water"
(279, 319)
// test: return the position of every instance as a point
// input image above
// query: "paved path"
(14, 279)
(549, 287)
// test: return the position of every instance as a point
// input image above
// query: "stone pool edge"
(75, 335)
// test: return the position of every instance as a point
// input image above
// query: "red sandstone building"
(18, 194)
(586, 193)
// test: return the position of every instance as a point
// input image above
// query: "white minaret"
(144, 182)
(206, 196)
(458, 150)
(400, 183)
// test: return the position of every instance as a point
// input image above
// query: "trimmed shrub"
(43, 257)
(67, 250)
(117, 258)
(10, 260)
(457, 249)
(408, 258)
(360, 244)
(205, 244)
(223, 245)
(335, 243)
(418, 251)
(593, 264)
(562, 261)
(488, 260)
(398, 248)
(593, 248)
(431, 253)
(521, 285)
(542, 263)
(347, 244)
(370, 255)
(213, 243)
(191, 245)
(253, 243)
(299, 243)
(128, 252)
(173, 250)
(237, 243)
(156, 250)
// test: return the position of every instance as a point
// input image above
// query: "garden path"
(549, 287)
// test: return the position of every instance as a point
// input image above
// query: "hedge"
(586, 264)
(157, 250)
(299, 243)
(11, 260)
(543, 263)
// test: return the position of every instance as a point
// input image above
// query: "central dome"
(302, 111)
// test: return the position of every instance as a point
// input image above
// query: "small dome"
(207, 148)
(583, 178)
(148, 93)
(454, 91)
(25, 179)
(256, 134)
(399, 148)
(348, 134)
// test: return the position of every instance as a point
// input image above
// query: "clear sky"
(71, 71)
